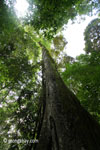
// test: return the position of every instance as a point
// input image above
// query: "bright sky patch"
(21, 7)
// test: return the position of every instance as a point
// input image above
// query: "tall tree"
(66, 125)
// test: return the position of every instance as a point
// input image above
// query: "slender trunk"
(66, 124)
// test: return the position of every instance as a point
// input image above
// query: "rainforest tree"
(47, 110)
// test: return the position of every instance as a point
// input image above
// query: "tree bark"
(66, 124)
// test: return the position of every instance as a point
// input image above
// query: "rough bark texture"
(66, 124)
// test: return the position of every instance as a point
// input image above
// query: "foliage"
(92, 36)
(20, 65)
(58, 45)
(50, 15)
(82, 77)
(20, 83)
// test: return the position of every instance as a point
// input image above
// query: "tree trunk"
(66, 124)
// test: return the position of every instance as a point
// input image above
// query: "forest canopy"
(21, 43)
